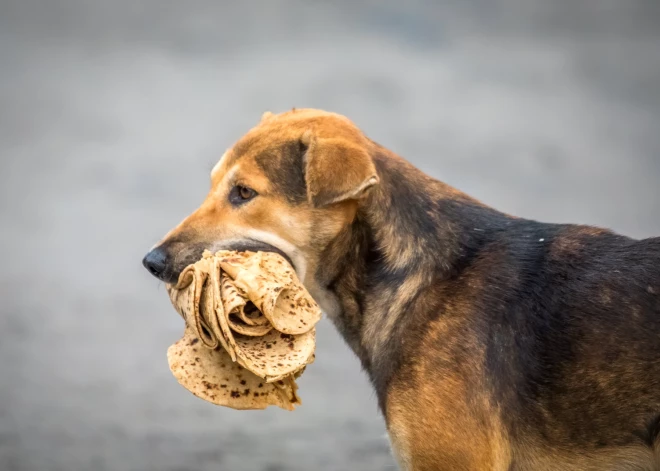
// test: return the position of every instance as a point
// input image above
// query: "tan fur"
(438, 423)
(328, 182)
(380, 320)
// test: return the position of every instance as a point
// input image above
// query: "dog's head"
(290, 185)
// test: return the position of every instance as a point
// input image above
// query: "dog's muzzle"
(166, 262)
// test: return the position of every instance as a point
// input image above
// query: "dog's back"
(588, 342)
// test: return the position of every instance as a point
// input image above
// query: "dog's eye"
(240, 194)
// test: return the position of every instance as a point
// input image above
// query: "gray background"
(112, 114)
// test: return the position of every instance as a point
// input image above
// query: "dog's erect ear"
(336, 170)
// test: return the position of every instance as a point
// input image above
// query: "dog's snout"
(156, 262)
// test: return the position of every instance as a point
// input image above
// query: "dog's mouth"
(188, 254)
(254, 245)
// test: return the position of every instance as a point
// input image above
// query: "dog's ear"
(336, 170)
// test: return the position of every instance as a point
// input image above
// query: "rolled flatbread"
(242, 315)
(272, 285)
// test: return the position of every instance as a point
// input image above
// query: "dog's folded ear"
(336, 170)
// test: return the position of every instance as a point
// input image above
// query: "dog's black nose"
(156, 262)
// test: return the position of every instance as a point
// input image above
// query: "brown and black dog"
(493, 342)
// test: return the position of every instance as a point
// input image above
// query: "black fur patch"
(283, 166)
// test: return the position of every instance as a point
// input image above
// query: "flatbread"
(256, 324)
(276, 354)
(212, 303)
(251, 322)
(272, 285)
(187, 300)
(196, 299)
(212, 376)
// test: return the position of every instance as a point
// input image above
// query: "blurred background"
(112, 115)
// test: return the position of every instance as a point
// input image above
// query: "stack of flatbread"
(250, 330)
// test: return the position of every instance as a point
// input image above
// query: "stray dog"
(493, 342)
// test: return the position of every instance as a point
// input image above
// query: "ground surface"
(113, 113)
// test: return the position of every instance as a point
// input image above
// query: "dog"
(492, 342)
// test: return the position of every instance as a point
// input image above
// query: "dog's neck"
(409, 232)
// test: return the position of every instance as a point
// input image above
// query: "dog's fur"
(493, 342)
